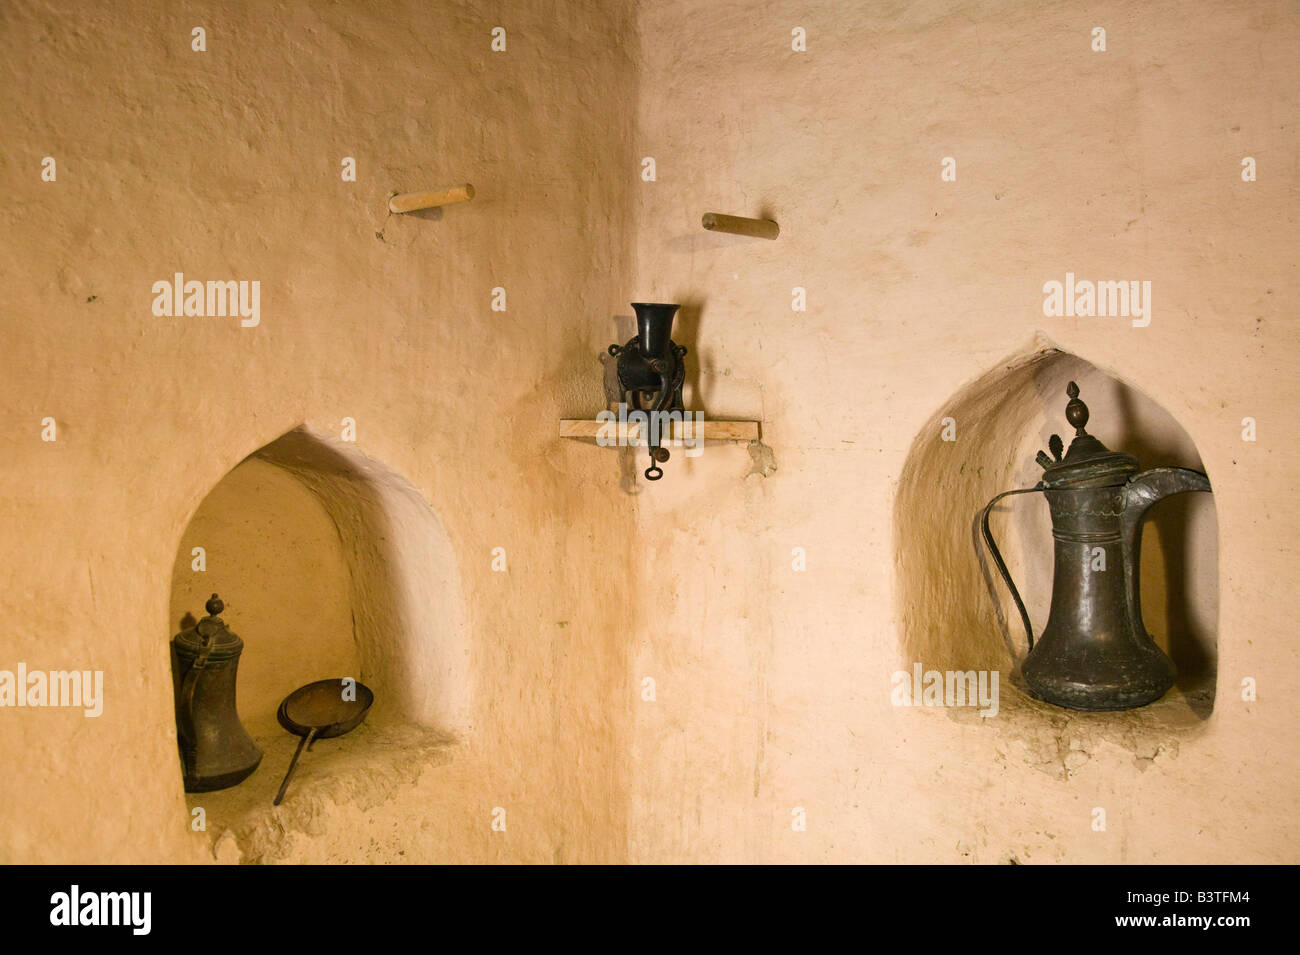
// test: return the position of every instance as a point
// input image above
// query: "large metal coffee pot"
(216, 750)
(1094, 653)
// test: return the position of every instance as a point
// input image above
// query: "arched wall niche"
(956, 613)
(384, 594)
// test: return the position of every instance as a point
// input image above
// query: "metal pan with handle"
(322, 710)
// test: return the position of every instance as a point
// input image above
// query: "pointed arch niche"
(956, 613)
(330, 564)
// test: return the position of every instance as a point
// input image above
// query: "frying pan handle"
(293, 763)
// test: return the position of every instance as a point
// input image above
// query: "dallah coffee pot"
(1094, 653)
(216, 750)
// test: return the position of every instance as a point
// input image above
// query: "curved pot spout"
(1140, 493)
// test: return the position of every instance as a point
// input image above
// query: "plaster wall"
(226, 165)
(774, 685)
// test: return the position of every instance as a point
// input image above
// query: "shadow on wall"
(345, 568)
(956, 612)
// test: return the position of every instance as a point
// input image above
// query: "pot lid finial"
(1088, 462)
(1076, 412)
(210, 635)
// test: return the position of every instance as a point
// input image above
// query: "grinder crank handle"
(658, 454)
(668, 389)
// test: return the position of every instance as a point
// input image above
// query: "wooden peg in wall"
(739, 225)
(414, 201)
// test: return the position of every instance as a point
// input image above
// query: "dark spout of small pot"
(654, 327)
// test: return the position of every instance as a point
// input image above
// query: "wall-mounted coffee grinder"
(1094, 653)
(651, 372)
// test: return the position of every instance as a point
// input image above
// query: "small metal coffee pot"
(1094, 653)
(216, 750)
(651, 372)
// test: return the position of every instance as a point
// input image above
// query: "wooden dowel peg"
(413, 201)
(739, 225)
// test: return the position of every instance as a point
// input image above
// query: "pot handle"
(1001, 565)
(186, 714)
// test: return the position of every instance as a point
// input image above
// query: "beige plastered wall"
(924, 300)
(227, 165)
(771, 686)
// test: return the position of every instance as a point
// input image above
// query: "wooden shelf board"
(631, 434)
